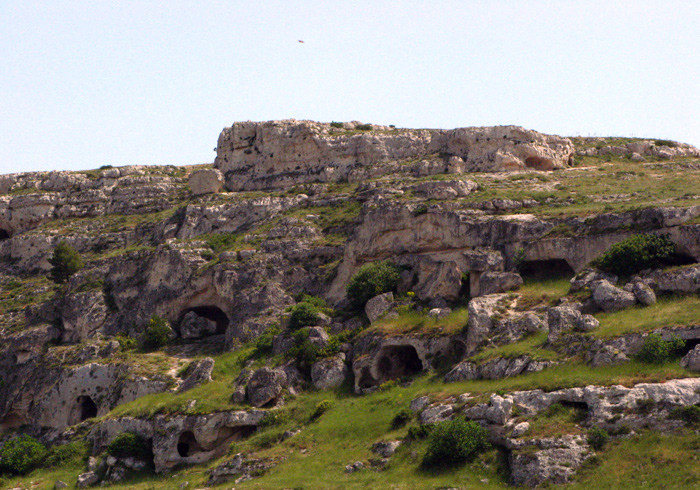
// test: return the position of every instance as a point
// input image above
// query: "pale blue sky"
(91, 83)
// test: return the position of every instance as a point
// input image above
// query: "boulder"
(463, 371)
(608, 356)
(378, 306)
(438, 413)
(561, 319)
(587, 277)
(197, 373)
(684, 280)
(691, 361)
(265, 386)
(194, 326)
(418, 404)
(87, 479)
(644, 294)
(207, 181)
(330, 372)
(385, 449)
(520, 429)
(610, 298)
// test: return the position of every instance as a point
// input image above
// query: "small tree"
(454, 442)
(157, 333)
(303, 315)
(637, 253)
(656, 350)
(65, 262)
(371, 280)
(21, 455)
(129, 445)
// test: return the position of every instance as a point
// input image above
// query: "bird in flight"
(301, 41)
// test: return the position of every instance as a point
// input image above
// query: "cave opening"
(211, 313)
(398, 361)
(187, 444)
(86, 407)
(539, 270)
(4, 234)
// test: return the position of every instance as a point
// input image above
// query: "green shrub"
(645, 406)
(65, 261)
(402, 418)
(129, 445)
(157, 333)
(656, 350)
(689, 414)
(338, 125)
(371, 280)
(321, 408)
(637, 253)
(65, 454)
(263, 344)
(21, 455)
(669, 143)
(303, 315)
(598, 438)
(126, 342)
(364, 127)
(455, 442)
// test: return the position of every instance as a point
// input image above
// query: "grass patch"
(536, 292)
(668, 311)
(532, 345)
(419, 322)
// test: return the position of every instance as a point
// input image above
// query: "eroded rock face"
(259, 155)
(182, 439)
(553, 460)
(378, 306)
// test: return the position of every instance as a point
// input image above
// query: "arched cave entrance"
(196, 322)
(87, 408)
(187, 444)
(4, 234)
(538, 270)
(398, 361)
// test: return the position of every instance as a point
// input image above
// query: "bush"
(402, 418)
(321, 408)
(364, 127)
(303, 315)
(455, 442)
(598, 438)
(126, 342)
(129, 445)
(157, 333)
(263, 344)
(371, 280)
(65, 262)
(656, 350)
(66, 454)
(338, 125)
(690, 414)
(637, 253)
(669, 143)
(21, 455)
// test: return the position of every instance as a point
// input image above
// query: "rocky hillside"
(313, 309)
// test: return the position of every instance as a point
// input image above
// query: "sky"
(98, 82)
